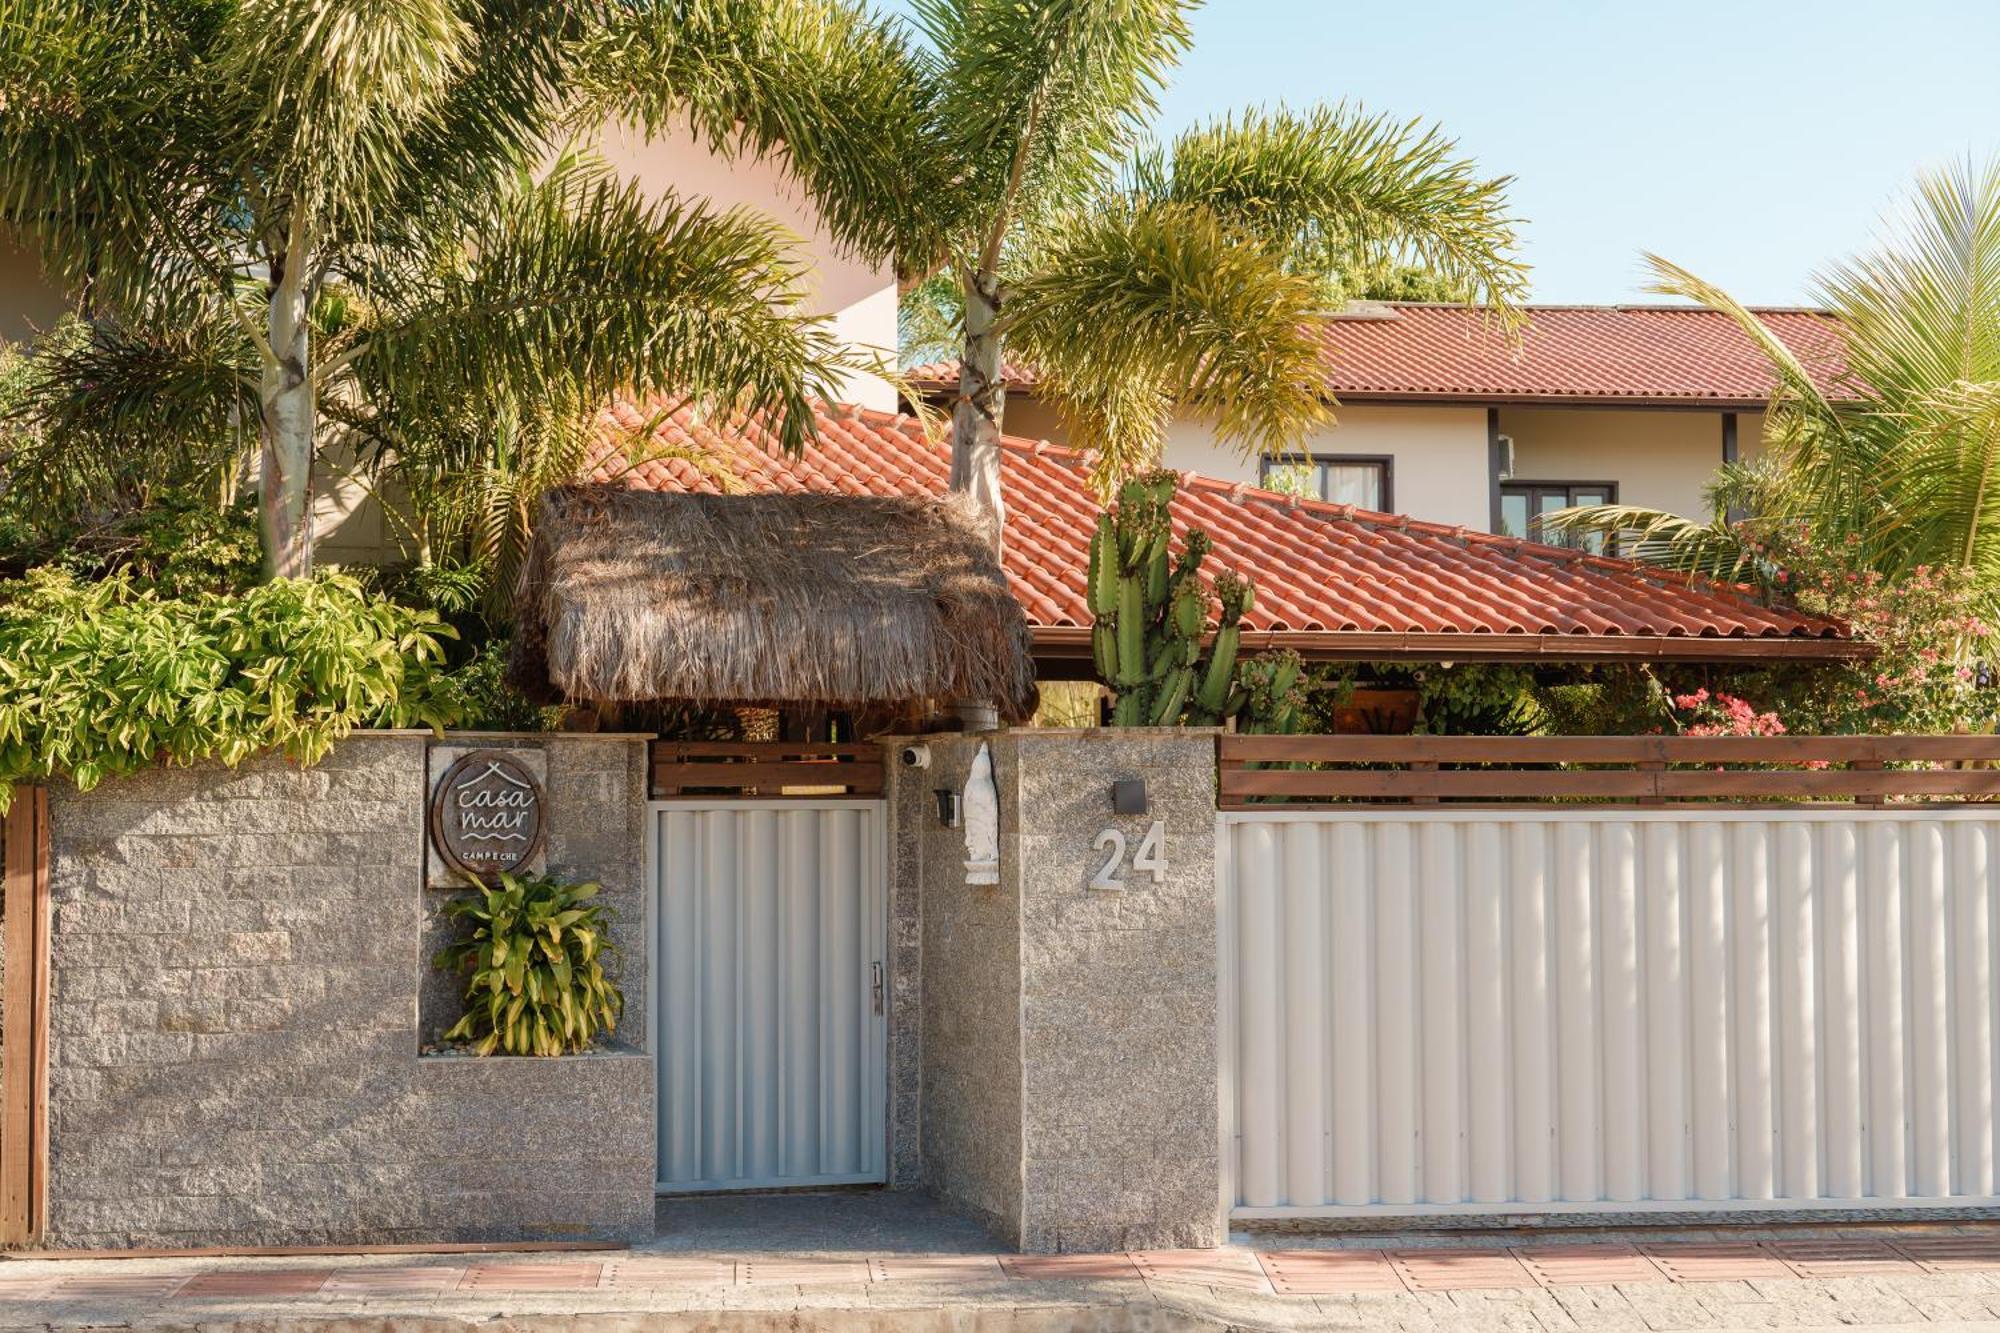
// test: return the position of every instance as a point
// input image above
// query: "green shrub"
(98, 679)
(488, 703)
(535, 958)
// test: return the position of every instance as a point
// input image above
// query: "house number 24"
(1150, 857)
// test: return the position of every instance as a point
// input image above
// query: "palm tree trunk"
(982, 398)
(285, 430)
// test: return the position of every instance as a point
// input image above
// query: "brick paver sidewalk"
(1945, 1276)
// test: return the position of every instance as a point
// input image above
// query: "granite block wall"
(237, 958)
(971, 1056)
(908, 817)
(1121, 1137)
(1069, 1090)
(596, 788)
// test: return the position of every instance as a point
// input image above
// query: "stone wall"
(907, 820)
(971, 1104)
(1069, 1051)
(596, 788)
(1121, 1126)
(236, 963)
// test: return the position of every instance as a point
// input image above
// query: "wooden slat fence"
(1256, 771)
(24, 1025)
(765, 770)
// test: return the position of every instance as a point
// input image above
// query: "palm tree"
(313, 213)
(1898, 461)
(999, 145)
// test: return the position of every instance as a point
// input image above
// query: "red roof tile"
(1319, 568)
(1638, 354)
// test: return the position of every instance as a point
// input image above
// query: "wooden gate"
(24, 1022)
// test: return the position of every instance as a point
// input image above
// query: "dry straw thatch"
(835, 600)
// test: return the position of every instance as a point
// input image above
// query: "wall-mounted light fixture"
(1128, 796)
(948, 807)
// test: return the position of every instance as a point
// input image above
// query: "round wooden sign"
(487, 815)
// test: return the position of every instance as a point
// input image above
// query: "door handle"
(875, 985)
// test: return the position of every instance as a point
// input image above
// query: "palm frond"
(106, 150)
(106, 417)
(1804, 429)
(1126, 310)
(1947, 480)
(1039, 100)
(1716, 548)
(1921, 316)
(1744, 501)
(838, 95)
(517, 78)
(1333, 187)
(1922, 311)
(331, 92)
(580, 286)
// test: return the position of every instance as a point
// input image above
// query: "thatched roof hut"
(828, 600)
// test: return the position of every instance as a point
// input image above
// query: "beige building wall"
(1749, 436)
(1028, 418)
(858, 295)
(29, 304)
(1659, 459)
(1439, 470)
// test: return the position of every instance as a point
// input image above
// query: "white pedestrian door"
(769, 934)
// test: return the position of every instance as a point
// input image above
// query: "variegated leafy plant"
(534, 965)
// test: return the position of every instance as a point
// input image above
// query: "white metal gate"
(769, 935)
(1610, 1010)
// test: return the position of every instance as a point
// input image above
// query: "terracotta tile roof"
(1638, 354)
(1320, 569)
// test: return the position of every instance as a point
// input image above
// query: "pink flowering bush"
(1718, 714)
(1931, 630)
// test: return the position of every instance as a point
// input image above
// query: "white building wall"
(1440, 467)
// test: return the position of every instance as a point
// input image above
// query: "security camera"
(916, 756)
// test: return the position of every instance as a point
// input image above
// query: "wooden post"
(1653, 766)
(24, 1043)
(1868, 766)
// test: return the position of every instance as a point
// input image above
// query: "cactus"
(1274, 689)
(1153, 611)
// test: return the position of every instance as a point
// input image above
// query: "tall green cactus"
(1274, 688)
(1152, 613)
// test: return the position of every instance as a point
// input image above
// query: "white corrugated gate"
(769, 934)
(1607, 1010)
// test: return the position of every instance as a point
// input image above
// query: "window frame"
(1386, 462)
(1531, 485)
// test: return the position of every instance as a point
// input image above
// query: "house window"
(1361, 480)
(1522, 504)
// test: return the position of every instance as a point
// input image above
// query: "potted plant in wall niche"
(534, 960)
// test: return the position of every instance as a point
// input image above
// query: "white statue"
(982, 821)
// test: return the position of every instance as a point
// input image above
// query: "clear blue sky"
(1750, 140)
